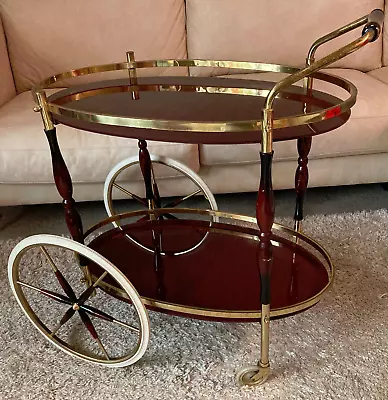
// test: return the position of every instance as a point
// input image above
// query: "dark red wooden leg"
(65, 187)
(153, 199)
(265, 213)
(301, 178)
(152, 191)
(301, 182)
(145, 166)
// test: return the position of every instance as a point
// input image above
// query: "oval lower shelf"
(209, 270)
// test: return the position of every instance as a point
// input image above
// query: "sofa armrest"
(7, 86)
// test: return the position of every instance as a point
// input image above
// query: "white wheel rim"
(95, 257)
(169, 162)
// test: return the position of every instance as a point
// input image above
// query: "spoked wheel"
(200, 189)
(47, 282)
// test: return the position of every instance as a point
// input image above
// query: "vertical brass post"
(265, 318)
(44, 111)
(132, 75)
(267, 129)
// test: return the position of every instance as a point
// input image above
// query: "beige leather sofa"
(41, 38)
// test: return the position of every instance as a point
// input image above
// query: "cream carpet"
(336, 350)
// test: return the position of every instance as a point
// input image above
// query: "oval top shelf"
(210, 110)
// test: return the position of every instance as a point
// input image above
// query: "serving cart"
(200, 263)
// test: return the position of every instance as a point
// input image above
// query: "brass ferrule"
(297, 226)
(44, 111)
(298, 229)
(267, 129)
(265, 319)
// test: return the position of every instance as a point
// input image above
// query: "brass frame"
(222, 126)
(202, 312)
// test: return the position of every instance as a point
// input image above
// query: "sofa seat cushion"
(365, 133)
(25, 155)
(381, 74)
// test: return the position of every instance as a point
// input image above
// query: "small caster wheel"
(252, 375)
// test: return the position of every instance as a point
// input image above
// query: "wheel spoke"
(90, 327)
(101, 314)
(180, 200)
(61, 279)
(68, 314)
(52, 295)
(88, 292)
(130, 194)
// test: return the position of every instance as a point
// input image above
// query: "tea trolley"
(200, 263)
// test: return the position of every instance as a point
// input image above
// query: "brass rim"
(226, 314)
(221, 126)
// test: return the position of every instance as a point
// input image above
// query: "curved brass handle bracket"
(373, 21)
(370, 33)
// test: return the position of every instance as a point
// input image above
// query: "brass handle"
(375, 23)
(371, 32)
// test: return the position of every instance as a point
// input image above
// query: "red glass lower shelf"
(210, 270)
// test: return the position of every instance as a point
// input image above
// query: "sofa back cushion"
(46, 37)
(385, 38)
(7, 87)
(277, 31)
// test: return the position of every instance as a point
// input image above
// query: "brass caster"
(252, 375)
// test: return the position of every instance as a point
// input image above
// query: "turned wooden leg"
(301, 182)
(62, 179)
(151, 188)
(153, 200)
(265, 212)
(65, 187)
(301, 179)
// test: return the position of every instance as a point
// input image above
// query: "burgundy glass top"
(177, 98)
